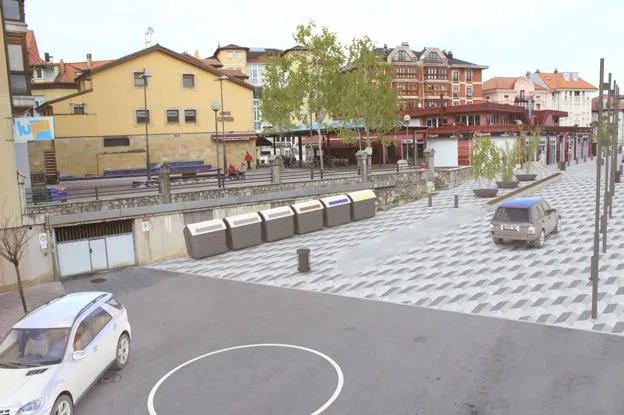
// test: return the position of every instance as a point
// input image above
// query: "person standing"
(248, 160)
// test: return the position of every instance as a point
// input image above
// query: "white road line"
(327, 404)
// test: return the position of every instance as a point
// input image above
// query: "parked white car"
(52, 357)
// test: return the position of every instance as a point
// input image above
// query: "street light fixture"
(144, 77)
(407, 120)
(216, 106)
(221, 79)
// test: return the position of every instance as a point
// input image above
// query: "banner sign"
(27, 129)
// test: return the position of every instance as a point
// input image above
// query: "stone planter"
(507, 185)
(491, 192)
(523, 177)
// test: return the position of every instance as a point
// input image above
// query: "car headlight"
(33, 407)
(531, 230)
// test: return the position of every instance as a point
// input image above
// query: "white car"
(52, 357)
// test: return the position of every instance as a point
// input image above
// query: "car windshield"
(506, 214)
(33, 347)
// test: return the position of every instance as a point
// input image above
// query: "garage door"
(83, 249)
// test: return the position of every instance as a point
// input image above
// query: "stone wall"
(447, 178)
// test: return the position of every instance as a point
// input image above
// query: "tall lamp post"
(216, 106)
(145, 77)
(221, 79)
(407, 119)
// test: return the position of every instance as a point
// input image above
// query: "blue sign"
(27, 129)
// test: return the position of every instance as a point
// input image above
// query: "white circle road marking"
(327, 404)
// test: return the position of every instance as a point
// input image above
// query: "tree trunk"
(320, 137)
(20, 288)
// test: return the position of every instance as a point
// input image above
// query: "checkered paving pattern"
(441, 257)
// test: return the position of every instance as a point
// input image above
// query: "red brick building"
(432, 77)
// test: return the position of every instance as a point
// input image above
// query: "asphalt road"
(395, 359)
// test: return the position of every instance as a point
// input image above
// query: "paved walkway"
(11, 309)
(444, 258)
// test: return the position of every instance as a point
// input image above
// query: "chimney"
(528, 74)
(556, 71)
(61, 67)
(450, 54)
(89, 60)
(537, 71)
(46, 57)
(196, 53)
(405, 44)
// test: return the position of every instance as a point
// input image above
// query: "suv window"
(83, 336)
(545, 206)
(97, 320)
(540, 210)
(114, 303)
(512, 214)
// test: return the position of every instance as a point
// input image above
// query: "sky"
(510, 36)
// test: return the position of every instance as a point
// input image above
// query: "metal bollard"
(584, 159)
(430, 200)
(321, 174)
(312, 171)
(456, 201)
(303, 255)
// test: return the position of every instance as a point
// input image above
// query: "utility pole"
(614, 153)
(596, 256)
(607, 156)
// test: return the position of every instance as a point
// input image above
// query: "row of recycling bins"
(205, 239)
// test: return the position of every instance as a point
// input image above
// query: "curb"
(524, 189)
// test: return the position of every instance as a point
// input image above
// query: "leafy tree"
(13, 240)
(533, 142)
(281, 98)
(316, 74)
(485, 159)
(367, 99)
(508, 159)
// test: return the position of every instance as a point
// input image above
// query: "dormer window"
(402, 56)
(433, 58)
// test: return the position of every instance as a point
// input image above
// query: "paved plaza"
(443, 258)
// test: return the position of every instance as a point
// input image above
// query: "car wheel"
(539, 243)
(123, 352)
(557, 226)
(497, 241)
(63, 406)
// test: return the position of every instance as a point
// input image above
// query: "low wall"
(449, 177)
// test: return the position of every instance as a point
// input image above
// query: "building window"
(173, 116)
(433, 57)
(538, 106)
(491, 119)
(506, 96)
(116, 141)
(469, 75)
(455, 91)
(468, 91)
(257, 117)
(19, 84)
(142, 116)
(188, 80)
(468, 102)
(455, 103)
(229, 55)
(474, 120)
(256, 74)
(139, 79)
(11, 10)
(190, 116)
(16, 58)
(504, 119)
(78, 109)
(402, 56)
(38, 73)
(455, 76)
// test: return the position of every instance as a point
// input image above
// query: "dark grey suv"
(528, 219)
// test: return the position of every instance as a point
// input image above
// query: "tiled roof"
(213, 61)
(69, 71)
(158, 48)
(232, 46)
(33, 50)
(234, 73)
(557, 81)
(261, 55)
(500, 82)
(595, 103)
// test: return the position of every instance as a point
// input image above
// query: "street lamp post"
(407, 119)
(145, 76)
(216, 106)
(221, 79)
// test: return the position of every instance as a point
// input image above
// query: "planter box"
(525, 177)
(507, 185)
(492, 192)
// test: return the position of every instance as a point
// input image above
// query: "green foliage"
(281, 98)
(533, 142)
(366, 95)
(485, 159)
(508, 158)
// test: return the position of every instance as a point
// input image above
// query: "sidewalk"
(11, 306)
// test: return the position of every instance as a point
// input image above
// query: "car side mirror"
(79, 355)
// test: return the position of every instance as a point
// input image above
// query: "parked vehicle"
(52, 357)
(528, 219)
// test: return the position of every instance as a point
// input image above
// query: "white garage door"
(83, 249)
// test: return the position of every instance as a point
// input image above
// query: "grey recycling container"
(337, 210)
(363, 204)
(277, 223)
(308, 216)
(244, 230)
(204, 239)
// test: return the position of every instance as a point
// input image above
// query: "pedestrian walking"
(248, 160)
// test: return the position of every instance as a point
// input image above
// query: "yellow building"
(103, 126)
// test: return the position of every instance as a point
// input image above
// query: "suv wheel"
(123, 352)
(63, 406)
(497, 241)
(557, 226)
(539, 243)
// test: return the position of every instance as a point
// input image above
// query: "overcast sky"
(510, 36)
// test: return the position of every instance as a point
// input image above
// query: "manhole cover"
(98, 280)
(110, 377)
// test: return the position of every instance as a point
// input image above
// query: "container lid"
(242, 220)
(362, 195)
(337, 200)
(208, 226)
(305, 207)
(276, 213)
